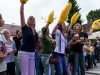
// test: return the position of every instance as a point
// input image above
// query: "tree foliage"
(93, 15)
(75, 8)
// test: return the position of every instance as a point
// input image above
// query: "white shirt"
(10, 58)
(98, 43)
(60, 38)
(3, 65)
(86, 47)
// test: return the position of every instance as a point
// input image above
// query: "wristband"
(91, 28)
(59, 24)
(74, 42)
(71, 40)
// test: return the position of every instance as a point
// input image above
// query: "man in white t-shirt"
(3, 52)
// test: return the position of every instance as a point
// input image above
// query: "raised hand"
(74, 18)
(50, 17)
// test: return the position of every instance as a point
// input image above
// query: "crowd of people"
(29, 53)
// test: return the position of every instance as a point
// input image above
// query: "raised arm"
(95, 26)
(22, 15)
(74, 19)
(44, 30)
(55, 28)
(70, 27)
(90, 32)
(47, 25)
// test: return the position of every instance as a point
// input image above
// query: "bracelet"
(71, 40)
(74, 42)
(91, 28)
(58, 24)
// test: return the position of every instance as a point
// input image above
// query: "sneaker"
(86, 69)
(95, 66)
(91, 68)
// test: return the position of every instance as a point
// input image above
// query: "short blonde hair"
(5, 30)
(74, 28)
(29, 18)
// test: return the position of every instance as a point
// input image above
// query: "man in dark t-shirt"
(77, 48)
(18, 43)
(17, 39)
(97, 48)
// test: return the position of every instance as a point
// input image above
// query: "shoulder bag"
(55, 58)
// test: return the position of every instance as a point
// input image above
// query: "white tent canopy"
(94, 35)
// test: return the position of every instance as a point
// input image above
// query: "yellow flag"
(96, 25)
(74, 18)
(23, 1)
(51, 17)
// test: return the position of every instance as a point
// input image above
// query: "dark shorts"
(3, 73)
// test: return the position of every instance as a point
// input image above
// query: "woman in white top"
(3, 52)
(61, 43)
(85, 50)
(11, 48)
(92, 54)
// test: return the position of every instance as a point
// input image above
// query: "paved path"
(94, 71)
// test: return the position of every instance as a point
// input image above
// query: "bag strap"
(36, 44)
(33, 36)
(34, 40)
(60, 43)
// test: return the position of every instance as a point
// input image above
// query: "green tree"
(75, 8)
(93, 15)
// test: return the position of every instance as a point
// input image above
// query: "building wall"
(11, 37)
(87, 27)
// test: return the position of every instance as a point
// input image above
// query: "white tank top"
(10, 58)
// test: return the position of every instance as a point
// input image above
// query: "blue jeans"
(38, 64)
(61, 67)
(93, 59)
(78, 70)
(17, 68)
(49, 69)
(68, 65)
(89, 60)
(98, 52)
(78, 59)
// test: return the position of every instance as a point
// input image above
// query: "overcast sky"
(41, 8)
